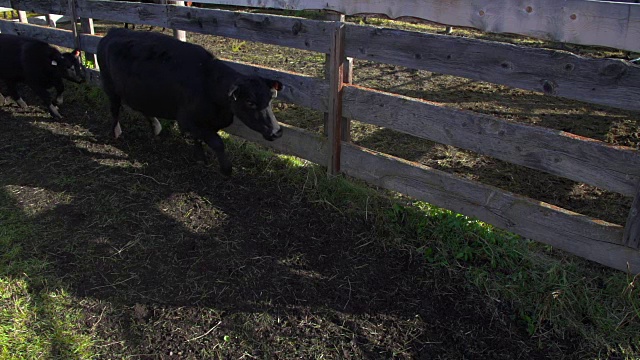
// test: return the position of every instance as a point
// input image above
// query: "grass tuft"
(37, 316)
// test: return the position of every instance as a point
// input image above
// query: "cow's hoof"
(22, 104)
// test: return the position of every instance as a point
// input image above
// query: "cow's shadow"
(138, 224)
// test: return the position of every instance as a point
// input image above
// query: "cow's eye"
(251, 104)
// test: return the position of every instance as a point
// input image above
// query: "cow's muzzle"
(274, 135)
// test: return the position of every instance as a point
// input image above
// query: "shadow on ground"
(168, 258)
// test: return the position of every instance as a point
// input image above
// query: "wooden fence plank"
(553, 151)
(127, 12)
(583, 22)
(38, 6)
(51, 35)
(608, 82)
(270, 29)
(294, 141)
(578, 234)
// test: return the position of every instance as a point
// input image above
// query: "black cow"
(40, 66)
(161, 76)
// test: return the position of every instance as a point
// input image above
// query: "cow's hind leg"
(12, 93)
(115, 104)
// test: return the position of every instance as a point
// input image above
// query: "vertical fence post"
(347, 78)
(179, 34)
(74, 25)
(22, 16)
(87, 28)
(631, 235)
(336, 84)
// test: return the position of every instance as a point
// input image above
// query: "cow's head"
(250, 99)
(69, 66)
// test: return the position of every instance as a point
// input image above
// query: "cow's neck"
(223, 81)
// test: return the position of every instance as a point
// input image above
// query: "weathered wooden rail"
(609, 82)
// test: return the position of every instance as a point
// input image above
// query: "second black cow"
(163, 77)
(40, 66)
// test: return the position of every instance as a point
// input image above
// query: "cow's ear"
(232, 92)
(275, 85)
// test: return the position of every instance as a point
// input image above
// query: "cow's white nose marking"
(22, 103)
(59, 99)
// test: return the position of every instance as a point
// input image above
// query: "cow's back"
(153, 73)
(21, 55)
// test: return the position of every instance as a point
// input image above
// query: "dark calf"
(40, 66)
(160, 76)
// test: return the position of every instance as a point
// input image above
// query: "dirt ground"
(169, 259)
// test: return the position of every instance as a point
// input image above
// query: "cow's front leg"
(46, 99)
(214, 141)
(59, 90)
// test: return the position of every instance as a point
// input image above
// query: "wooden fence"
(609, 82)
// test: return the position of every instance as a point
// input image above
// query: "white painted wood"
(22, 16)
(51, 20)
(585, 22)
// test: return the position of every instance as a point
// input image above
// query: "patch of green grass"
(37, 316)
(553, 294)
